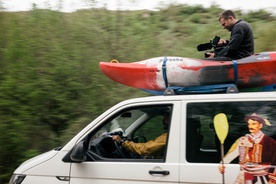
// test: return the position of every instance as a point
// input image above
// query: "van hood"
(37, 160)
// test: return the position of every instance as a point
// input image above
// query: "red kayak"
(157, 74)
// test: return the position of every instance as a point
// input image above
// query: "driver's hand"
(116, 138)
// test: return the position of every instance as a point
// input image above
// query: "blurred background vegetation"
(50, 83)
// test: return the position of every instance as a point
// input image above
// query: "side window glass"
(150, 130)
(249, 123)
(132, 134)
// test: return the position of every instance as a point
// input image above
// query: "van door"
(251, 161)
(108, 163)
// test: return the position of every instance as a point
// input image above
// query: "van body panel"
(125, 172)
(178, 165)
(43, 179)
(52, 167)
(207, 173)
(33, 162)
(45, 169)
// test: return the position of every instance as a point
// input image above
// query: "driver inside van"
(150, 148)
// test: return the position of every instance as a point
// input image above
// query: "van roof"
(243, 96)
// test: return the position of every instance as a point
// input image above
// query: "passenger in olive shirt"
(241, 43)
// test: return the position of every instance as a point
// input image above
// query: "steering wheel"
(119, 149)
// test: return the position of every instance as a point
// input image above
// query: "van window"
(202, 143)
(135, 127)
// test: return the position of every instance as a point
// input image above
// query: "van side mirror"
(78, 153)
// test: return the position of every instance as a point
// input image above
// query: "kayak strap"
(206, 89)
(235, 66)
(164, 71)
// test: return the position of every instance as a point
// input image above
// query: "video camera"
(206, 46)
(212, 44)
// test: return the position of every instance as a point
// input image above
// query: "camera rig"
(213, 44)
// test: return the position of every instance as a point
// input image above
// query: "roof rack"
(207, 89)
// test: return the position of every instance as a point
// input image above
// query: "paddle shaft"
(222, 162)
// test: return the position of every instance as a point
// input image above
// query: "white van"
(191, 154)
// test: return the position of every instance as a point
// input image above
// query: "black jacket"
(241, 43)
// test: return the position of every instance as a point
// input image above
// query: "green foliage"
(263, 15)
(189, 10)
(51, 85)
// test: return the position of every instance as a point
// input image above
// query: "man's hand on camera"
(210, 54)
(222, 42)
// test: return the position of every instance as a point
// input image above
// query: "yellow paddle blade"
(221, 126)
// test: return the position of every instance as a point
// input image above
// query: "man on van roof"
(150, 148)
(256, 153)
(241, 43)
